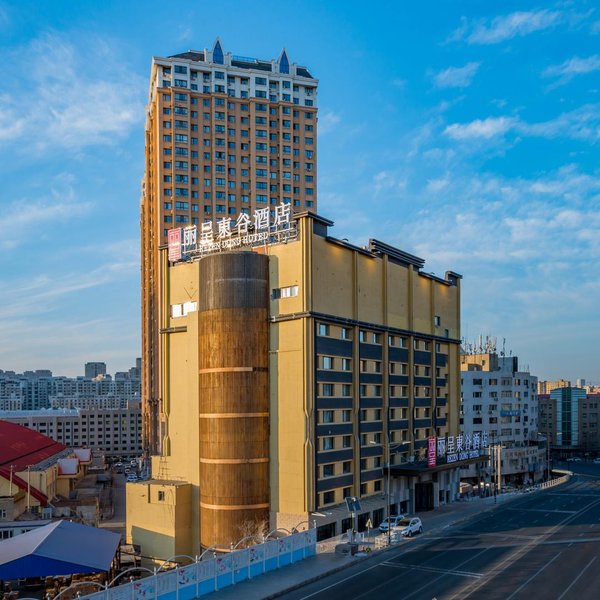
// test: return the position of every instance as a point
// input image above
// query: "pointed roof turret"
(218, 52)
(284, 63)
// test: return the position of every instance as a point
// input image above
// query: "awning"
(60, 548)
(419, 468)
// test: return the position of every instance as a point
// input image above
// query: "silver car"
(409, 526)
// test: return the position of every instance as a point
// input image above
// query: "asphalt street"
(545, 545)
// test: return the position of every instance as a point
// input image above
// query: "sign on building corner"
(264, 227)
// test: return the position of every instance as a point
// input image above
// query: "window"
(327, 416)
(329, 497)
(327, 443)
(327, 389)
(327, 362)
(161, 496)
(323, 329)
(328, 470)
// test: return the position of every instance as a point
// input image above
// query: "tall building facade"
(501, 399)
(292, 370)
(95, 369)
(225, 135)
(571, 418)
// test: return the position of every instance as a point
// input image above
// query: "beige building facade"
(354, 356)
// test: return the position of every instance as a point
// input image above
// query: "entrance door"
(424, 496)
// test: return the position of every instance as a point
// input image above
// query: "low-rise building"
(113, 432)
(34, 469)
(501, 400)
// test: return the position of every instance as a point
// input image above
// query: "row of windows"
(244, 94)
(232, 79)
(337, 496)
(373, 337)
(368, 414)
(231, 171)
(344, 390)
(243, 107)
(261, 133)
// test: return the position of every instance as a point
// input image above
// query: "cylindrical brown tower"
(234, 396)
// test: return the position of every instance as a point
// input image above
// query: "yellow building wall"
(398, 298)
(160, 527)
(332, 270)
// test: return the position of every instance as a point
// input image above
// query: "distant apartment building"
(545, 387)
(114, 432)
(35, 390)
(501, 400)
(571, 418)
(95, 369)
(11, 394)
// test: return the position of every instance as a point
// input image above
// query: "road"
(545, 546)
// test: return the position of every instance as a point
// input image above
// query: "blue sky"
(465, 132)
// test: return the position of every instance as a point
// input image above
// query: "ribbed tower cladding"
(233, 395)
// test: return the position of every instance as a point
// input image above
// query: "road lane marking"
(340, 581)
(548, 563)
(434, 570)
(544, 510)
(577, 578)
(442, 576)
(520, 552)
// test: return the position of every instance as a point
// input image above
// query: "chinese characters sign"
(431, 452)
(174, 244)
(262, 228)
(459, 447)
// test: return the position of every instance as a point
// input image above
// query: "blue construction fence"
(207, 576)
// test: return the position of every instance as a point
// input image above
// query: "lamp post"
(547, 438)
(389, 448)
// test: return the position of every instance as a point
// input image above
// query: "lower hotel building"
(293, 364)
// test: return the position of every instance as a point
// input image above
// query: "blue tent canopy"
(60, 548)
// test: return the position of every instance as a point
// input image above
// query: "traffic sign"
(369, 524)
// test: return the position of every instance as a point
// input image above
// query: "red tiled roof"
(20, 446)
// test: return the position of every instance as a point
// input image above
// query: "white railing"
(210, 575)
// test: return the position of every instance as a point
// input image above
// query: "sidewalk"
(326, 562)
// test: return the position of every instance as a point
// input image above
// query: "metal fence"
(206, 576)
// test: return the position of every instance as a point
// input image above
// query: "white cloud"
(22, 218)
(582, 123)
(572, 67)
(389, 182)
(460, 77)
(328, 121)
(505, 27)
(70, 96)
(486, 128)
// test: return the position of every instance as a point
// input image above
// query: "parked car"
(409, 526)
(597, 461)
(132, 478)
(574, 459)
(394, 520)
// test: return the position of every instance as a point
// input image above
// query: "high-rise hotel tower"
(225, 135)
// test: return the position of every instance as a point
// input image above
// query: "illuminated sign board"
(431, 452)
(263, 228)
(174, 244)
(460, 447)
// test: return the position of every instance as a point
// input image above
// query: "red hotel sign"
(431, 452)
(174, 244)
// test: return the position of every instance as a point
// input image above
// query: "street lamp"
(389, 448)
(547, 438)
